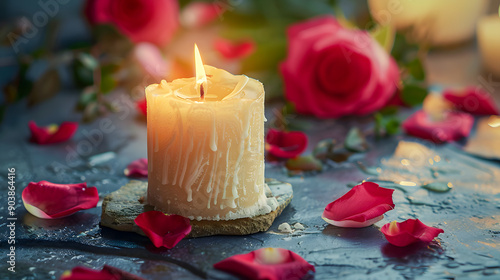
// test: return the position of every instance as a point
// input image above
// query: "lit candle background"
(206, 154)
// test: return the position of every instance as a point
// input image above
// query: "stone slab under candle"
(121, 207)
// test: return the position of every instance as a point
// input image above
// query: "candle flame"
(201, 77)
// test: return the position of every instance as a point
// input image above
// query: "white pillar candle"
(206, 146)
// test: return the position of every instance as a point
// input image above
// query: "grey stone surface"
(469, 213)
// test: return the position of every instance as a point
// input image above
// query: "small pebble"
(285, 228)
(298, 226)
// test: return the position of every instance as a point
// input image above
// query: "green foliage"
(304, 163)
(413, 94)
(355, 141)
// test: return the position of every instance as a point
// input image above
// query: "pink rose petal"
(50, 201)
(455, 126)
(106, 273)
(472, 100)
(408, 232)
(137, 168)
(236, 50)
(285, 144)
(362, 206)
(53, 133)
(163, 230)
(267, 263)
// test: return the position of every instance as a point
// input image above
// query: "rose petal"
(267, 263)
(472, 100)
(236, 50)
(142, 106)
(50, 201)
(153, 21)
(199, 14)
(137, 168)
(106, 273)
(362, 206)
(52, 133)
(285, 144)
(454, 126)
(151, 61)
(408, 232)
(163, 230)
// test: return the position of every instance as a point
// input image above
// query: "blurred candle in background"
(206, 146)
(438, 23)
(488, 37)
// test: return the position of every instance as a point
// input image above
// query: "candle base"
(120, 208)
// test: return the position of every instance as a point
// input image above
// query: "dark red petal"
(42, 136)
(137, 168)
(97, 11)
(146, 20)
(285, 144)
(163, 230)
(363, 203)
(49, 201)
(408, 232)
(472, 100)
(236, 50)
(253, 265)
(455, 126)
(106, 273)
(142, 106)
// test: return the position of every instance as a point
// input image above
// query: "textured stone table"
(469, 213)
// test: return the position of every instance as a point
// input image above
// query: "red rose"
(153, 21)
(331, 71)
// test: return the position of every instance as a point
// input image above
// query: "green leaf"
(108, 82)
(89, 95)
(384, 35)
(288, 108)
(386, 125)
(392, 126)
(438, 186)
(324, 148)
(413, 94)
(416, 69)
(45, 87)
(355, 141)
(304, 163)
(83, 69)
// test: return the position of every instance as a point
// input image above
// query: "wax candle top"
(220, 86)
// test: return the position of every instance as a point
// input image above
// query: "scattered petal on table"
(408, 232)
(362, 206)
(454, 126)
(142, 106)
(52, 133)
(50, 201)
(285, 144)
(106, 273)
(267, 263)
(236, 50)
(137, 168)
(472, 100)
(163, 230)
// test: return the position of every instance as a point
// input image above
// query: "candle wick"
(202, 92)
